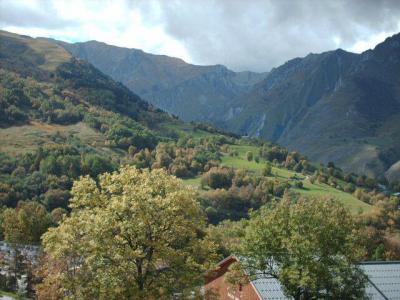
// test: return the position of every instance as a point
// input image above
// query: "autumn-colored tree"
(26, 223)
(218, 178)
(308, 246)
(132, 235)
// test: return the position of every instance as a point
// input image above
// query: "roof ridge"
(377, 262)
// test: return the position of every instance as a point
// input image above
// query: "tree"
(26, 223)
(94, 165)
(218, 178)
(55, 198)
(266, 171)
(249, 155)
(136, 234)
(298, 184)
(308, 246)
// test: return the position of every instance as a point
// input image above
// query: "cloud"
(244, 35)
(261, 34)
(42, 14)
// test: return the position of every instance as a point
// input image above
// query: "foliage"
(309, 246)
(381, 225)
(249, 156)
(218, 178)
(134, 235)
(26, 223)
(267, 170)
(46, 175)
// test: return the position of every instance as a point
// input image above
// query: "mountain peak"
(391, 42)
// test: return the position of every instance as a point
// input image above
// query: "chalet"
(383, 283)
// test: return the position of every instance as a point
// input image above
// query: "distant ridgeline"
(334, 106)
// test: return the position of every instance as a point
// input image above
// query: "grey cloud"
(258, 34)
(44, 15)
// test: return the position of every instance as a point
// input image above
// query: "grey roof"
(269, 288)
(384, 282)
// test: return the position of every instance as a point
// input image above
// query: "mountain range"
(333, 106)
(167, 82)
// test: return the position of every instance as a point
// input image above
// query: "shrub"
(299, 184)
(217, 178)
(349, 188)
(267, 170)
(249, 155)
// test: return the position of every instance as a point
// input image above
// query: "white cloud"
(370, 42)
(113, 22)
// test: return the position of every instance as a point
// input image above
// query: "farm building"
(383, 283)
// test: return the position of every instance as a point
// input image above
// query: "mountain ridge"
(165, 81)
(328, 98)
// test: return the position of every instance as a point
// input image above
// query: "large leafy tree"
(310, 246)
(134, 234)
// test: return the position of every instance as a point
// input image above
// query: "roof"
(383, 282)
(384, 279)
(269, 288)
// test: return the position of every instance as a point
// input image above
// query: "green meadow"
(309, 189)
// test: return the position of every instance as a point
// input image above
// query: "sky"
(252, 35)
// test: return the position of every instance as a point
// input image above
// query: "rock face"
(192, 92)
(334, 106)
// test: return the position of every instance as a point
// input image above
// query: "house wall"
(217, 289)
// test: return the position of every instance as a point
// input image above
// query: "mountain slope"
(192, 92)
(335, 106)
(41, 83)
(62, 118)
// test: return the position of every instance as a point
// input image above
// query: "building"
(383, 283)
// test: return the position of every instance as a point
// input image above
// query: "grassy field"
(185, 129)
(321, 190)
(21, 139)
(308, 190)
(196, 181)
(240, 161)
(53, 54)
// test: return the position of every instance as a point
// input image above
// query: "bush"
(349, 188)
(212, 214)
(249, 155)
(298, 184)
(267, 170)
(218, 178)
(94, 165)
(56, 198)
